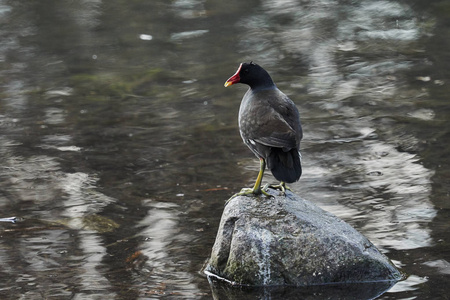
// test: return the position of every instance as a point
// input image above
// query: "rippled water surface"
(119, 143)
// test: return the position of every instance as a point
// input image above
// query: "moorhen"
(269, 124)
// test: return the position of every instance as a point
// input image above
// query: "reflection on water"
(346, 291)
(81, 198)
(118, 145)
(164, 262)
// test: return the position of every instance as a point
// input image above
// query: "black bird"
(269, 123)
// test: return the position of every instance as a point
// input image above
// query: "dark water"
(119, 143)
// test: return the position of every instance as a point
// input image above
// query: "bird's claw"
(250, 192)
(282, 187)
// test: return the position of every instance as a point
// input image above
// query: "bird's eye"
(245, 70)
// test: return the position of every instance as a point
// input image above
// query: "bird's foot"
(249, 192)
(252, 192)
(282, 187)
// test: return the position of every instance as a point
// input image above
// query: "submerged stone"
(286, 240)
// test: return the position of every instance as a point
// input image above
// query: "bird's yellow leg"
(257, 187)
(256, 190)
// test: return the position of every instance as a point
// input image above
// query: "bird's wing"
(282, 137)
(273, 131)
(279, 124)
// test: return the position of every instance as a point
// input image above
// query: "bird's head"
(250, 74)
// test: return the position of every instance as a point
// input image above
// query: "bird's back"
(270, 126)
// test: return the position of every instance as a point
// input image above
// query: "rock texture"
(286, 240)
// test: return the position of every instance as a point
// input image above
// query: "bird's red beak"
(235, 78)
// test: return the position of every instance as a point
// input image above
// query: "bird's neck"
(265, 84)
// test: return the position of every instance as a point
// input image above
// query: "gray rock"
(286, 240)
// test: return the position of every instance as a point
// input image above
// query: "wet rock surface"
(286, 240)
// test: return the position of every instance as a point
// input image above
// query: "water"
(119, 144)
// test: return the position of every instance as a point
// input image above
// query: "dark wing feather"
(279, 124)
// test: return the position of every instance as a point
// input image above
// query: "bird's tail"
(285, 166)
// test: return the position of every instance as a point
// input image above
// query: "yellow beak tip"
(228, 83)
